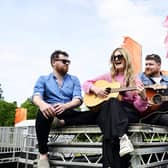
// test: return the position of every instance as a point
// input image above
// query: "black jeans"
(70, 117)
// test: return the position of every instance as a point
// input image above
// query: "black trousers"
(158, 117)
(70, 117)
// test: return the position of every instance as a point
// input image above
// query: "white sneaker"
(125, 146)
(43, 163)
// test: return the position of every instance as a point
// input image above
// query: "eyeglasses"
(64, 61)
(118, 57)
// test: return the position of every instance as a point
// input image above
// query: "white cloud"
(137, 20)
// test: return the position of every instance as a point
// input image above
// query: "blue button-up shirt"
(47, 87)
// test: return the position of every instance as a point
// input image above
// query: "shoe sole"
(124, 152)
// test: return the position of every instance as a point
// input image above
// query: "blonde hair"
(128, 72)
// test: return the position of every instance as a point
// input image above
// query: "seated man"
(151, 76)
(56, 95)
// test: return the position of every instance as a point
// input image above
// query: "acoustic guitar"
(92, 101)
(155, 97)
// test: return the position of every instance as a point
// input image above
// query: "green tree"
(31, 109)
(1, 92)
(7, 113)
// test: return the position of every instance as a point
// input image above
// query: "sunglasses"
(64, 61)
(117, 57)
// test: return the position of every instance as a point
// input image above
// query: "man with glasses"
(56, 95)
(153, 75)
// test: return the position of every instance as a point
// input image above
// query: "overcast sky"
(89, 30)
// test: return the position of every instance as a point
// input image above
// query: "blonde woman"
(114, 113)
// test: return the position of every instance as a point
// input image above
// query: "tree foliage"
(7, 110)
(7, 113)
(31, 109)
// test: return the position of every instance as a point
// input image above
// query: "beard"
(150, 73)
(62, 70)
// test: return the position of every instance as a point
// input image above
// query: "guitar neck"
(122, 89)
(164, 98)
(155, 86)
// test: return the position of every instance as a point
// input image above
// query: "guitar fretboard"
(164, 98)
(122, 89)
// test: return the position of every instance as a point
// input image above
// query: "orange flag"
(135, 51)
(20, 115)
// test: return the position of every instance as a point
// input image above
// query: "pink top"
(129, 96)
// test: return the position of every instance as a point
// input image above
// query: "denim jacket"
(149, 81)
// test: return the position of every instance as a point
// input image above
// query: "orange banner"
(135, 50)
(20, 115)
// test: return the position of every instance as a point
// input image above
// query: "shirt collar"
(52, 74)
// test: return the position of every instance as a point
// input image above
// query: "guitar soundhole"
(108, 90)
(157, 99)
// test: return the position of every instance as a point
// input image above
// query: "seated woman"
(115, 114)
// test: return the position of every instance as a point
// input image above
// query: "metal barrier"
(80, 146)
(151, 146)
(11, 142)
(85, 150)
(18, 145)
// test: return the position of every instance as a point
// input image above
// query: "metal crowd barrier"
(18, 145)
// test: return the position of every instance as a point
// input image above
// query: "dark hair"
(154, 57)
(56, 54)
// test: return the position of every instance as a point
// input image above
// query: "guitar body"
(153, 106)
(156, 96)
(92, 100)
